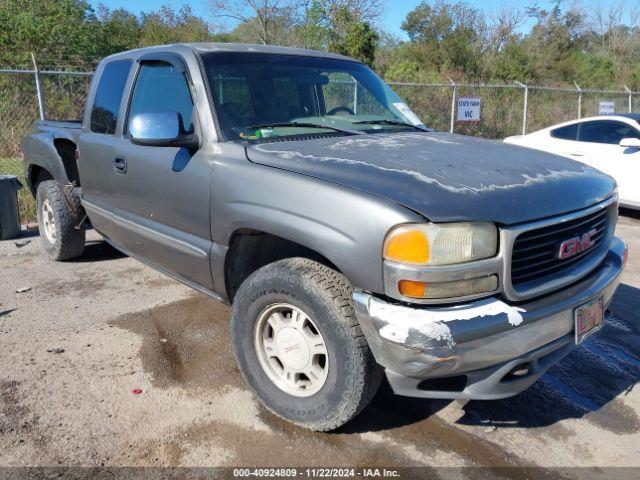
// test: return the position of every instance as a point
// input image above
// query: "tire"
(59, 212)
(351, 374)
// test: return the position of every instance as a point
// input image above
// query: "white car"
(609, 143)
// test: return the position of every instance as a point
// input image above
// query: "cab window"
(106, 103)
(160, 87)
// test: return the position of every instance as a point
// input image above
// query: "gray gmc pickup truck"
(351, 240)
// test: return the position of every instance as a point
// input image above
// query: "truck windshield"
(259, 96)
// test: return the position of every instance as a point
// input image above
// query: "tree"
(619, 40)
(452, 36)
(168, 26)
(282, 31)
(513, 63)
(360, 10)
(593, 71)
(314, 30)
(554, 38)
(352, 37)
(58, 31)
(263, 18)
(303, 23)
(69, 33)
(121, 30)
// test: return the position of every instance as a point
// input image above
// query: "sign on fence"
(469, 109)
(606, 108)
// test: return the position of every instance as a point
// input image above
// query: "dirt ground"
(86, 334)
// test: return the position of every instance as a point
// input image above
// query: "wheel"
(299, 346)
(59, 212)
(341, 109)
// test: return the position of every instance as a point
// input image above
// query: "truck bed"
(69, 129)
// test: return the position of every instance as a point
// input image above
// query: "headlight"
(441, 244)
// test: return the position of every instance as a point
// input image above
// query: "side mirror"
(630, 142)
(161, 129)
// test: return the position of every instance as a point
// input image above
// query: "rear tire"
(303, 294)
(59, 213)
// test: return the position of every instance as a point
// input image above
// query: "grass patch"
(26, 203)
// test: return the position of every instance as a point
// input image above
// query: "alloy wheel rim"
(48, 221)
(291, 350)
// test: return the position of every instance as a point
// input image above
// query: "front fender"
(344, 225)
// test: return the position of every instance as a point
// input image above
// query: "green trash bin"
(9, 215)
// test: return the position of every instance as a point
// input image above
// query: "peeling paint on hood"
(446, 177)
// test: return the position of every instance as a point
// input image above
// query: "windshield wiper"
(384, 121)
(303, 125)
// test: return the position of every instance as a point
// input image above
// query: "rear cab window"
(106, 102)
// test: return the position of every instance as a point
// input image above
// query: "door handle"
(576, 154)
(120, 165)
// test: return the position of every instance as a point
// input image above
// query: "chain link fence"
(431, 102)
(509, 109)
(546, 106)
(63, 95)
(18, 110)
(504, 110)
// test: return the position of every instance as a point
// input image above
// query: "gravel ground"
(83, 336)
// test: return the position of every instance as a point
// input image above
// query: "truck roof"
(209, 47)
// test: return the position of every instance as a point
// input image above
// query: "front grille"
(535, 252)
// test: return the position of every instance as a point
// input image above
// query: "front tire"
(299, 346)
(59, 213)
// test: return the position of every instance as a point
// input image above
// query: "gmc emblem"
(576, 245)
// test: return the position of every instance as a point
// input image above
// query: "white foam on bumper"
(432, 323)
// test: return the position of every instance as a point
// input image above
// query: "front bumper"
(486, 349)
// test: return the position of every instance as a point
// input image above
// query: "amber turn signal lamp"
(412, 289)
(407, 245)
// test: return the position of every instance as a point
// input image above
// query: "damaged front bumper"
(486, 349)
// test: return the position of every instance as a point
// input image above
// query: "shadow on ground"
(388, 411)
(98, 251)
(586, 383)
(94, 251)
(628, 212)
(24, 234)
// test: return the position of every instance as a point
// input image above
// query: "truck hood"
(445, 177)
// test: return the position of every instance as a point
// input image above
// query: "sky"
(393, 16)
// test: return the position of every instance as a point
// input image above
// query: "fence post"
(526, 107)
(579, 99)
(630, 99)
(453, 104)
(38, 87)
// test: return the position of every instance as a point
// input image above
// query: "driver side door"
(161, 195)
